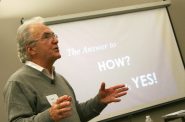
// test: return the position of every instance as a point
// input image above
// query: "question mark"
(127, 60)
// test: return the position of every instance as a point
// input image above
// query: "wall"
(9, 61)
(178, 20)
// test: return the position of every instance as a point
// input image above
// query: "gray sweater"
(25, 98)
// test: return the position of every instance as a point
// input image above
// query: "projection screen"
(138, 49)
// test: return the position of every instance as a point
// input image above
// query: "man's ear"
(31, 50)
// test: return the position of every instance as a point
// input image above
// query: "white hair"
(24, 38)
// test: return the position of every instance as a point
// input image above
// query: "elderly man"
(36, 93)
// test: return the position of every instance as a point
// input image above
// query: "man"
(36, 93)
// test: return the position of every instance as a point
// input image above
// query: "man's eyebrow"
(48, 33)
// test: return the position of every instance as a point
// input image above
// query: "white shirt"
(41, 69)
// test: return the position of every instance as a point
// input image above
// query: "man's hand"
(112, 94)
(61, 108)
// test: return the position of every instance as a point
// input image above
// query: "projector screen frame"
(106, 12)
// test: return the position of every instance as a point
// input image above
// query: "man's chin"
(58, 57)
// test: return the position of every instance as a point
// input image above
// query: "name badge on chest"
(52, 98)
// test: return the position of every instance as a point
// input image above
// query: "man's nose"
(54, 39)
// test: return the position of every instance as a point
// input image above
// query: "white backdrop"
(138, 49)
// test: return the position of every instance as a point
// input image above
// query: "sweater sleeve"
(19, 107)
(90, 109)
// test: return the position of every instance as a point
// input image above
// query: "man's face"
(46, 48)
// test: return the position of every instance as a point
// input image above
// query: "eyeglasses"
(46, 36)
(49, 35)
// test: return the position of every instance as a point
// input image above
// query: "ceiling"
(47, 8)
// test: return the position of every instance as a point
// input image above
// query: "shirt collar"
(41, 69)
(34, 65)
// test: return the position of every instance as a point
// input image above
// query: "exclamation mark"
(154, 76)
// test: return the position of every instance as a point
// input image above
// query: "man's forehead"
(39, 28)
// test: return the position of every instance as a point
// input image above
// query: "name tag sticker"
(52, 98)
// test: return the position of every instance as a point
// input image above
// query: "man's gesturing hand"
(61, 108)
(112, 94)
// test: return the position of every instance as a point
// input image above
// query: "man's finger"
(120, 94)
(64, 104)
(65, 110)
(119, 86)
(121, 89)
(63, 98)
(102, 86)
